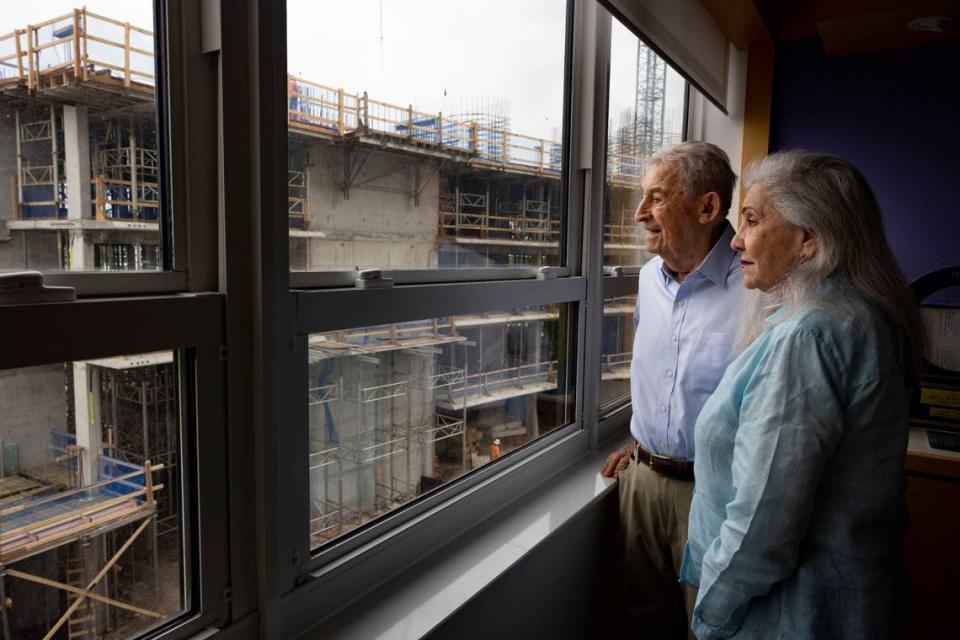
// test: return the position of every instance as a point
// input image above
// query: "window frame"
(310, 587)
(155, 324)
(570, 229)
(179, 309)
(622, 280)
(187, 145)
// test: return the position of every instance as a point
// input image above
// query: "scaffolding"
(40, 186)
(297, 199)
(98, 491)
(127, 183)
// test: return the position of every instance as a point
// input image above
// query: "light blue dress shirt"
(798, 511)
(683, 342)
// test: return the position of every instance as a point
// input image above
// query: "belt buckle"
(656, 458)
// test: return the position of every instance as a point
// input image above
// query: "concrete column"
(86, 410)
(76, 156)
(81, 252)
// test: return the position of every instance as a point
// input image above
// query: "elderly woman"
(799, 511)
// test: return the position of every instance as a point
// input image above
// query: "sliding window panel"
(646, 113)
(106, 144)
(426, 135)
(81, 171)
(398, 410)
(92, 477)
(101, 533)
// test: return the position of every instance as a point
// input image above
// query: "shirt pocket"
(708, 359)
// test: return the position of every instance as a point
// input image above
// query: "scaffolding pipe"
(54, 155)
(19, 165)
(134, 200)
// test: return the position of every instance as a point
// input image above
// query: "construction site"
(92, 538)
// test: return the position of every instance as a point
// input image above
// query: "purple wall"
(896, 116)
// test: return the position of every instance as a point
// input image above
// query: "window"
(79, 146)
(646, 112)
(396, 410)
(646, 108)
(425, 135)
(90, 496)
(617, 350)
(108, 402)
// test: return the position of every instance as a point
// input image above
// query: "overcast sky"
(439, 55)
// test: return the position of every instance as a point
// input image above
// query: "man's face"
(667, 213)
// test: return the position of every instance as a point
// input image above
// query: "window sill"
(416, 602)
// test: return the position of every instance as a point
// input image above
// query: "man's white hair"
(703, 168)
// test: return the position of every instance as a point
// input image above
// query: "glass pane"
(417, 143)
(79, 164)
(616, 351)
(646, 112)
(91, 526)
(396, 410)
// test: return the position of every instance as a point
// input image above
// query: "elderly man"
(688, 303)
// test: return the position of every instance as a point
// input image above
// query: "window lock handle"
(26, 287)
(371, 279)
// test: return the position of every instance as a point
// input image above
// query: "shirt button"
(663, 408)
(669, 373)
(679, 303)
(674, 338)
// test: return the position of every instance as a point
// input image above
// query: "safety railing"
(125, 199)
(489, 382)
(80, 44)
(86, 45)
(616, 361)
(399, 334)
(499, 227)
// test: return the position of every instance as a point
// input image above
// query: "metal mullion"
(571, 212)
(617, 286)
(295, 447)
(207, 427)
(68, 331)
(191, 162)
(593, 238)
(579, 128)
(348, 308)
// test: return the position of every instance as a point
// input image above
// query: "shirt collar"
(716, 265)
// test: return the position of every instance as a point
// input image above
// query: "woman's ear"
(709, 207)
(808, 247)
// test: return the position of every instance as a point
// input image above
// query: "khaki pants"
(653, 518)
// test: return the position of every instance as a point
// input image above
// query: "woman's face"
(769, 246)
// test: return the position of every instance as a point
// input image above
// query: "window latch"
(372, 279)
(26, 287)
(547, 273)
(620, 271)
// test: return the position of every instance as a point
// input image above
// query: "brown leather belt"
(665, 466)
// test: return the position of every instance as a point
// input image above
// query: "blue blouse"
(799, 507)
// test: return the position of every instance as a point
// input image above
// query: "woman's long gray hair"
(831, 198)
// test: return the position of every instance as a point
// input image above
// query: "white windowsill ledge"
(413, 604)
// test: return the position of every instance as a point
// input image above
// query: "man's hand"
(617, 461)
